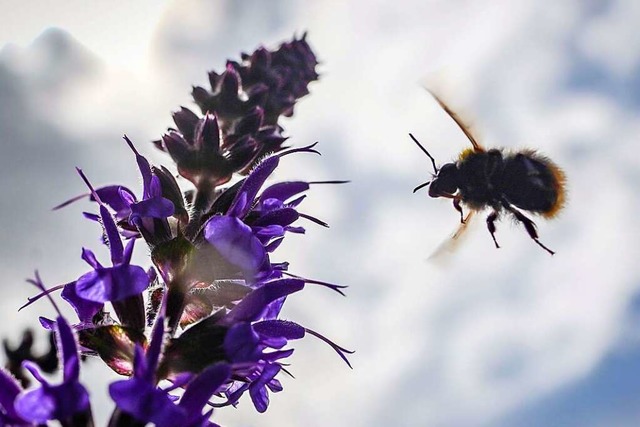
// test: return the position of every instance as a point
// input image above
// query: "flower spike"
(214, 286)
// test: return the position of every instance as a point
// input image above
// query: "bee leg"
(456, 204)
(491, 219)
(530, 226)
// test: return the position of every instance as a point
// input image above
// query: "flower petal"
(155, 207)
(283, 217)
(242, 344)
(84, 308)
(112, 284)
(116, 197)
(113, 237)
(284, 190)
(70, 359)
(36, 405)
(235, 241)
(252, 185)
(255, 303)
(280, 328)
(146, 403)
(258, 390)
(201, 388)
(9, 389)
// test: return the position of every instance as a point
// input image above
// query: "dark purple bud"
(250, 123)
(229, 84)
(270, 81)
(242, 151)
(260, 59)
(200, 95)
(171, 191)
(186, 121)
(214, 79)
(258, 95)
(130, 312)
(176, 145)
(208, 135)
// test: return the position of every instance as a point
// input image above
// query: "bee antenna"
(421, 186)
(424, 150)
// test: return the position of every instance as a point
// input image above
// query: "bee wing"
(464, 127)
(450, 245)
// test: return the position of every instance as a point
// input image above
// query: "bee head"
(445, 179)
(445, 182)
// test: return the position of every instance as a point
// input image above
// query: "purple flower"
(150, 214)
(161, 199)
(214, 295)
(141, 398)
(240, 123)
(273, 80)
(231, 237)
(199, 391)
(9, 390)
(115, 283)
(235, 241)
(84, 308)
(248, 338)
(249, 227)
(256, 349)
(260, 379)
(207, 156)
(56, 402)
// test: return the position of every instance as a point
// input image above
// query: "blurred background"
(485, 337)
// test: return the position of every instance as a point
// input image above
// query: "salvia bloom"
(199, 325)
(241, 112)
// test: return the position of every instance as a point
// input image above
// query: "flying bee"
(498, 180)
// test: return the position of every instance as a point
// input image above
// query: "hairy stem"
(202, 201)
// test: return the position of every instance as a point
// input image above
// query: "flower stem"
(202, 201)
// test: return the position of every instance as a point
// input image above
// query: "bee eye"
(448, 169)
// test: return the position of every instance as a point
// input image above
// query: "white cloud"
(609, 38)
(461, 344)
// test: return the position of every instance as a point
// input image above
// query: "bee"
(509, 182)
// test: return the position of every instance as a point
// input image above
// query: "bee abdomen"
(533, 183)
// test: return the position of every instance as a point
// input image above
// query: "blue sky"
(508, 337)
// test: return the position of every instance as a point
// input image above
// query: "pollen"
(466, 153)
